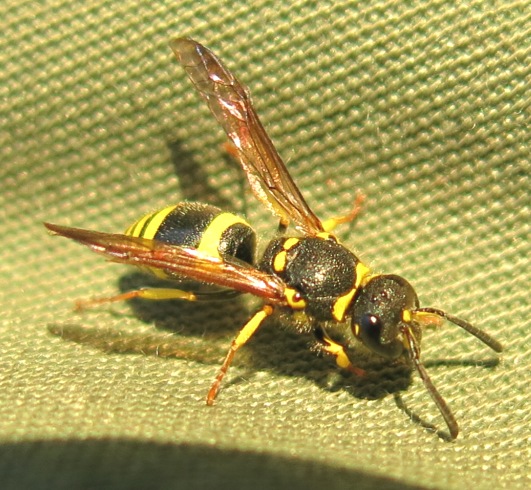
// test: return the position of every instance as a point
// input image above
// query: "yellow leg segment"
(160, 294)
(342, 360)
(146, 293)
(243, 336)
(331, 223)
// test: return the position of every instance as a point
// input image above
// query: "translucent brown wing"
(184, 261)
(230, 103)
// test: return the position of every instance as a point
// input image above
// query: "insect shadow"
(203, 332)
(194, 179)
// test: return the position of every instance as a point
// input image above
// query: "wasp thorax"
(378, 313)
(321, 271)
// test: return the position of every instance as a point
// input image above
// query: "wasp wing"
(178, 260)
(230, 103)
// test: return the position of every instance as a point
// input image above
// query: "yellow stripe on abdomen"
(212, 235)
(147, 226)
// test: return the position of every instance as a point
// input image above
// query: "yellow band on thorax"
(342, 303)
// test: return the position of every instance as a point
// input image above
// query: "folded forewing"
(230, 103)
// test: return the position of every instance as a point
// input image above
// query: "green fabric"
(422, 106)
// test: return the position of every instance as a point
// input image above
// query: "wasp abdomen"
(199, 226)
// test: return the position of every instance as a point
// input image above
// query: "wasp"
(307, 275)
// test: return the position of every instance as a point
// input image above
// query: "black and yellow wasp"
(310, 276)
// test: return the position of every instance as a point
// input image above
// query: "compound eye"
(372, 332)
(370, 329)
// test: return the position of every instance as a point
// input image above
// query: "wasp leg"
(243, 336)
(158, 294)
(231, 150)
(282, 227)
(338, 351)
(331, 223)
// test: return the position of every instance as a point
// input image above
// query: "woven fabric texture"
(424, 107)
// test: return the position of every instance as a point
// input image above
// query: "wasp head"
(382, 311)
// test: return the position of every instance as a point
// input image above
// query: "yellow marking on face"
(211, 238)
(294, 299)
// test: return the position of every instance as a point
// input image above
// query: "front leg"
(330, 347)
